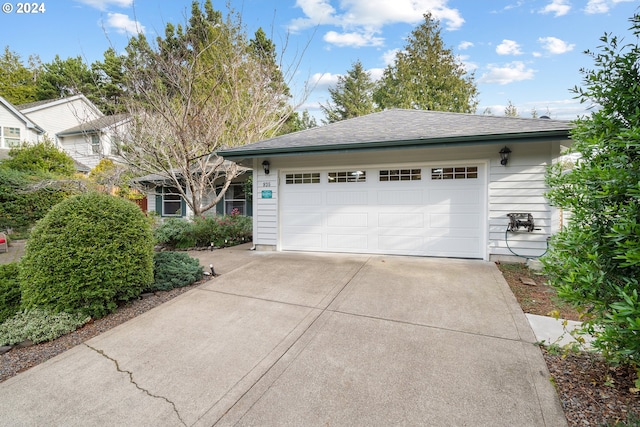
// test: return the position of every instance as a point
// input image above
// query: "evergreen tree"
(511, 110)
(62, 78)
(17, 82)
(427, 76)
(352, 96)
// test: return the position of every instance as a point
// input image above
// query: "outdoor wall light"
(504, 155)
(265, 166)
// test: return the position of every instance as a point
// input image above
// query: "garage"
(427, 210)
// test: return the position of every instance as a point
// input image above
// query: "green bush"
(222, 231)
(174, 270)
(87, 254)
(9, 291)
(39, 326)
(174, 232)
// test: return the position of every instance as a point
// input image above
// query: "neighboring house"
(16, 127)
(76, 125)
(90, 142)
(163, 198)
(406, 182)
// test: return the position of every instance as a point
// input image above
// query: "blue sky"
(528, 52)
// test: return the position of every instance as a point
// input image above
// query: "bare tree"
(198, 90)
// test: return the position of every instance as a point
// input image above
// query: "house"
(406, 182)
(16, 127)
(77, 126)
(163, 198)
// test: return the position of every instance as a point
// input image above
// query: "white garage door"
(429, 210)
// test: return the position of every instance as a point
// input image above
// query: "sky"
(527, 52)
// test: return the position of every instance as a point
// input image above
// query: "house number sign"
(267, 194)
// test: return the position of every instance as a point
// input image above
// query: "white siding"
(8, 119)
(65, 114)
(517, 187)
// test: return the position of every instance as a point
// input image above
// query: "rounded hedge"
(87, 254)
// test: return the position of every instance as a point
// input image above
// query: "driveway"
(306, 339)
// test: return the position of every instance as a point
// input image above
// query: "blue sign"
(267, 194)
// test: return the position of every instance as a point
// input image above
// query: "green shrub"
(87, 254)
(174, 232)
(9, 291)
(222, 231)
(174, 270)
(39, 326)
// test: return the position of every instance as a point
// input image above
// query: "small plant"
(9, 291)
(38, 326)
(174, 233)
(174, 270)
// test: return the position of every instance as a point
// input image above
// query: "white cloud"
(390, 56)
(352, 39)
(104, 4)
(557, 7)
(602, 6)
(123, 24)
(508, 47)
(555, 46)
(465, 45)
(321, 81)
(376, 73)
(369, 16)
(509, 73)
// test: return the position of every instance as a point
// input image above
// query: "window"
(303, 178)
(171, 202)
(401, 175)
(460, 172)
(95, 144)
(235, 198)
(11, 136)
(347, 176)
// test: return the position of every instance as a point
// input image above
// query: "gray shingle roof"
(403, 127)
(94, 125)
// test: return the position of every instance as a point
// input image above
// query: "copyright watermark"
(33, 8)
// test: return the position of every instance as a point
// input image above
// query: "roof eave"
(402, 144)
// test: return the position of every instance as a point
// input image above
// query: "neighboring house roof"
(16, 112)
(399, 128)
(95, 125)
(38, 105)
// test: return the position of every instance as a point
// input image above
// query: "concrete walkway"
(306, 339)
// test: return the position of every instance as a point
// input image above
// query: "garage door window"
(303, 178)
(401, 175)
(460, 172)
(347, 176)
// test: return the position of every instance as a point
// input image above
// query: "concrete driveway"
(305, 339)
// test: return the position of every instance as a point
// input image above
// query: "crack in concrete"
(136, 385)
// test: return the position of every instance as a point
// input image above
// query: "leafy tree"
(297, 122)
(109, 82)
(511, 110)
(352, 96)
(427, 76)
(202, 87)
(61, 78)
(595, 261)
(17, 82)
(43, 158)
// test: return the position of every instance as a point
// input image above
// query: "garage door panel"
(453, 246)
(348, 219)
(347, 198)
(301, 199)
(400, 198)
(454, 196)
(401, 220)
(347, 241)
(294, 219)
(303, 241)
(401, 244)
